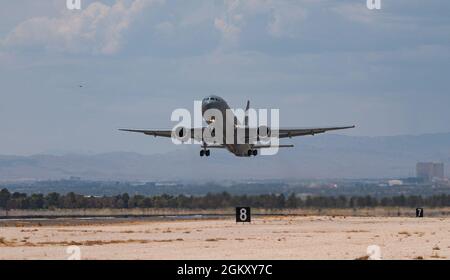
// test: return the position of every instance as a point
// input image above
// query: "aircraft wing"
(197, 133)
(167, 133)
(159, 133)
(294, 132)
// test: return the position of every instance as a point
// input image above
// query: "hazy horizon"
(175, 148)
(319, 157)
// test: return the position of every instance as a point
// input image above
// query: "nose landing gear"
(205, 153)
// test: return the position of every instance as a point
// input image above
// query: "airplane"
(247, 148)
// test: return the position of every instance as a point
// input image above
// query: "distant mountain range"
(321, 156)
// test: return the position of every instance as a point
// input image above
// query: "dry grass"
(436, 256)
(6, 243)
(29, 230)
(211, 240)
(25, 243)
(215, 239)
(169, 240)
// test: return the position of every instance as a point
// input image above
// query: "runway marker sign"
(419, 212)
(243, 215)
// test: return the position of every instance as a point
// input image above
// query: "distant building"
(439, 170)
(430, 170)
(393, 183)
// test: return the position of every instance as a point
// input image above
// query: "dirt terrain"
(284, 237)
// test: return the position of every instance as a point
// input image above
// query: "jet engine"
(181, 133)
(263, 132)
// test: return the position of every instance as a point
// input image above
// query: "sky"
(321, 62)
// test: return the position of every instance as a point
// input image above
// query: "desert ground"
(283, 237)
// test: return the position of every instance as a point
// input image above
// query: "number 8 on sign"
(243, 215)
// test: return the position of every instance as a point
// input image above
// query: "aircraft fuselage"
(215, 102)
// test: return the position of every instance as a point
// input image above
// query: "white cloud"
(96, 29)
(229, 22)
(230, 32)
(285, 17)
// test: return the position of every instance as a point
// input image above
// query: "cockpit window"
(211, 98)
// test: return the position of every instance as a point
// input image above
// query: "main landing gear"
(252, 153)
(205, 153)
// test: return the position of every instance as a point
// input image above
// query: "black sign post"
(419, 212)
(243, 215)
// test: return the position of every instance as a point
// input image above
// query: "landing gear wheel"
(202, 153)
(255, 152)
(207, 153)
(250, 153)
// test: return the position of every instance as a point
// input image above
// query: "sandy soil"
(266, 238)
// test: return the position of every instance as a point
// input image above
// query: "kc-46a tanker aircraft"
(245, 146)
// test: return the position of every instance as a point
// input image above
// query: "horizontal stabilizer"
(271, 146)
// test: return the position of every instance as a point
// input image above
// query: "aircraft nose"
(207, 104)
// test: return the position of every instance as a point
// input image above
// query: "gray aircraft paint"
(241, 149)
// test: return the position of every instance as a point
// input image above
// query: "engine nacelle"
(181, 133)
(263, 132)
